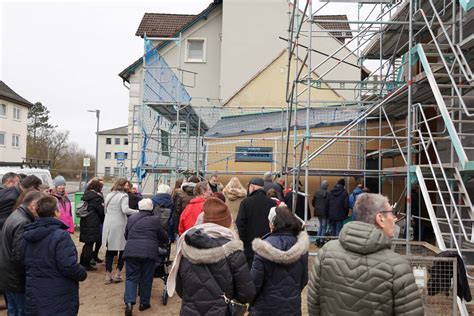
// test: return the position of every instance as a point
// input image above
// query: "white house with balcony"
(114, 151)
(13, 125)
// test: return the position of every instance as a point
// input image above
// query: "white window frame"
(204, 50)
(107, 174)
(4, 139)
(13, 144)
(2, 105)
(15, 110)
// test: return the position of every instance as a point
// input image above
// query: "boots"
(128, 309)
(117, 277)
(108, 277)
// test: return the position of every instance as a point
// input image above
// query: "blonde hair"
(234, 183)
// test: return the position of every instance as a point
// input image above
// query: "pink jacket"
(65, 212)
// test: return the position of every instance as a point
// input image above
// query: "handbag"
(82, 209)
(234, 307)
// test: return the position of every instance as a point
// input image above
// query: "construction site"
(390, 107)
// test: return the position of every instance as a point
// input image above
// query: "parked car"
(43, 174)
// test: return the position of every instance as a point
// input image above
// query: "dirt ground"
(96, 298)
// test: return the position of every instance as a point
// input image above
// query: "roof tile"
(163, 24)
(7, 93)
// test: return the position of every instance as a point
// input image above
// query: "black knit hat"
(257, 181)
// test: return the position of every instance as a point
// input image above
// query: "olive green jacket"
(359, 275)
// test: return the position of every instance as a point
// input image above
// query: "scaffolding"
(416, 125)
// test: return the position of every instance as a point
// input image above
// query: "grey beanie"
(59, 180)
(324, 185)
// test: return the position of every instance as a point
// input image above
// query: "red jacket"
(190, 214)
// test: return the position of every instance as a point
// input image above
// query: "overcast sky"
(67, 55)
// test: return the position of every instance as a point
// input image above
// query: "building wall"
(268, 88)
(250, 39)
(111, 162)
(10, 127)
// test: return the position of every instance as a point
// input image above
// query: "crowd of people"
(237, 247)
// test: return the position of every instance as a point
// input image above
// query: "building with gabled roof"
(13, 124)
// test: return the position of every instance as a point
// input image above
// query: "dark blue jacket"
(280, 272)
(144, 234)
(353, 198)
(163, 200)
(338, 203)
(52, 271)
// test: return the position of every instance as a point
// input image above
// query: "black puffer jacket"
(12, 277)
(252, 220)
(144, 234)
(280, 272)
(320, 201)
(208, 268)
(90, 228)
(338, 203)
(8, 199)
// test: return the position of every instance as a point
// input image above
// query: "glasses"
(394, 212)
(397, 214)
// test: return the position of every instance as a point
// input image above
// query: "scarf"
(211, 229)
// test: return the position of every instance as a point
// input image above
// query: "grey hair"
(368, 205)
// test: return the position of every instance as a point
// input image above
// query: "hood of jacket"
(258, 192)
(40, 229)
(338, 190)
(90, 195)
(162, 199)
(363, 238)
(234, 193)
(321, 194)
(200, 248)
(281, 247)
(188, 188)
(324, 185)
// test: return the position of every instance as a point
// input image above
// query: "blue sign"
(120, 156)
(253, 154)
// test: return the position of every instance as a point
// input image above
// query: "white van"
(43, 174)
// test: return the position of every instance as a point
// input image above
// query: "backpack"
(164, 214)
(82, 209)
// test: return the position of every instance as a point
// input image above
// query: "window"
(116, 171)
(196, 50)
(126, 155)
(108, 155)
(3, 110)
(16, 114)
(2, 139)
(108, 141)
(125, 141)
(15, 141)
(117, 141)
(107, 171)
(165, 150)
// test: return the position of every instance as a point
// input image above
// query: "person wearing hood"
(50, 259)
(280, 265)
(163, 205)
(209, 264)
(144, 234)
(252, 220)
(134, 196)
(194, 208)
(12, 278)
(319, 203)
(91, 225)
(64, 204)
(234, 193)
(338, 207)
(182, 199)
(371, 278)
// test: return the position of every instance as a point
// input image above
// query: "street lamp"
(97, 115)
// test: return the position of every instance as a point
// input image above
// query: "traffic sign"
(120, 156)
(86, 162)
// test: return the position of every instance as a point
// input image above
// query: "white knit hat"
(145, 205)
(272, 214)
(163, 188)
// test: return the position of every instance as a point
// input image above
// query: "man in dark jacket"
(252, 219)
(319, 203)
(9, 196)
(214, 184)
(338, 207)
(9, 179)
(269, 184)
(52, 271)
(12, 278)
(144, 234)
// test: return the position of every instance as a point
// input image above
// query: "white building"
(13, 125)
(114, 151)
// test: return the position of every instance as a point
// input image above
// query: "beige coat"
(233, 198)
